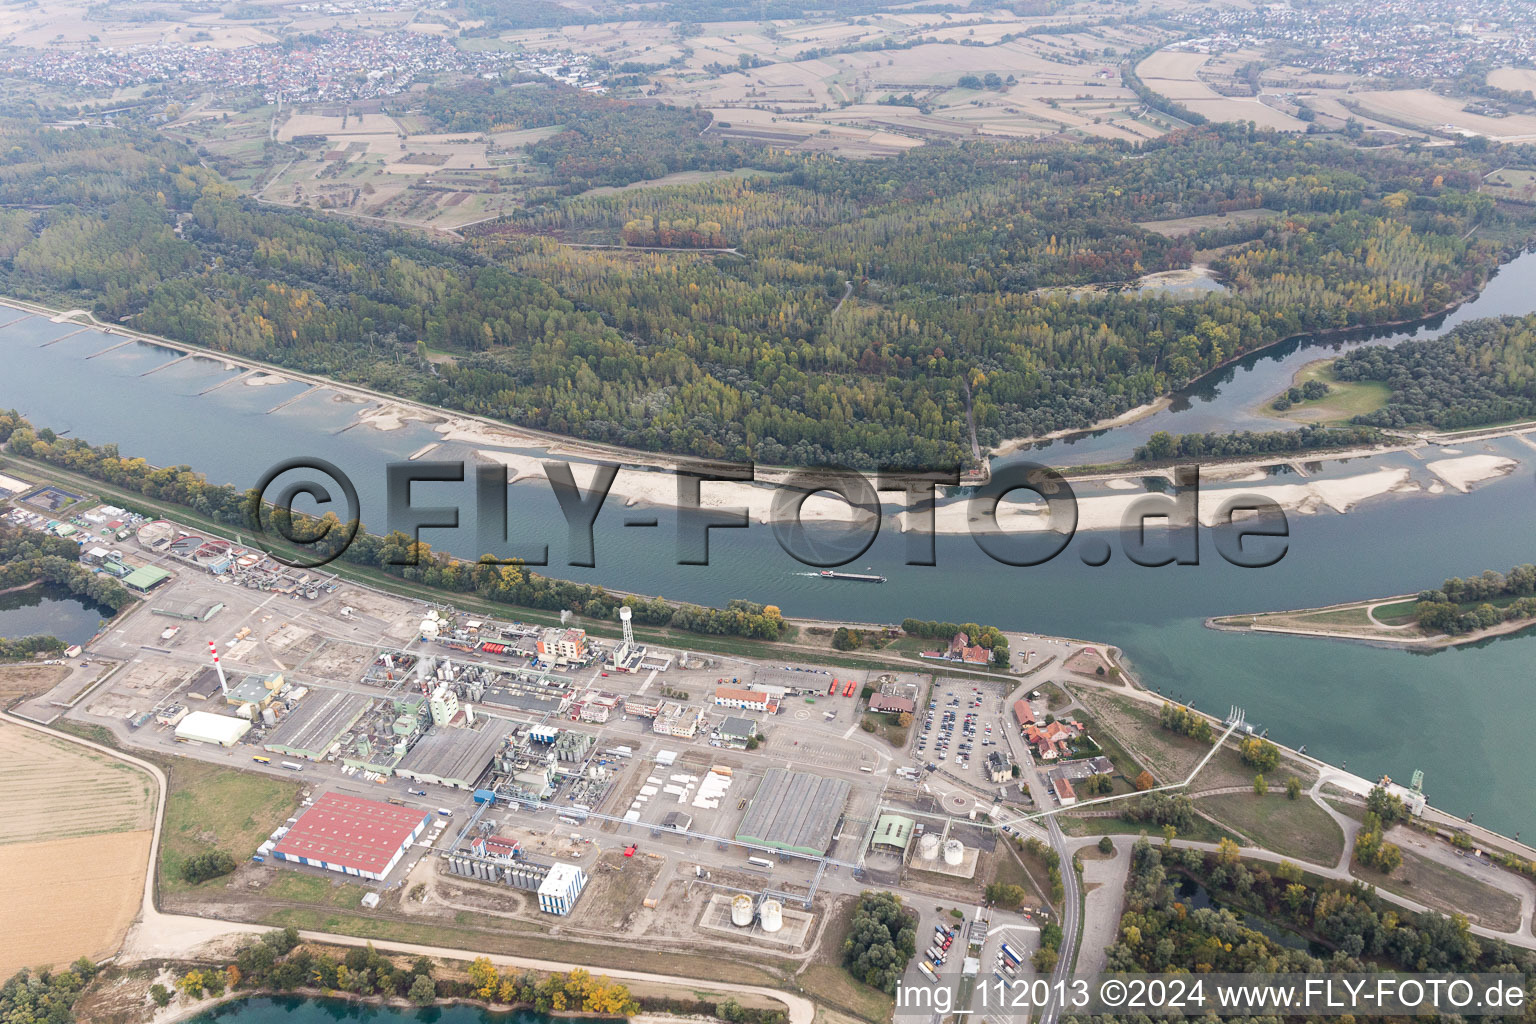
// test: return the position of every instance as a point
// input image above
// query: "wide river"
(1464, 716)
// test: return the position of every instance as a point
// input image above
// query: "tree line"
(1464, 605)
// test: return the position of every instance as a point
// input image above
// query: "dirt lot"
(98, 883)
(103, 794)
(25, 680)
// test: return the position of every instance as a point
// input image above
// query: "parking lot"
(964, 721)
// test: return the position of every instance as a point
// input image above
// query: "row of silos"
(770, 914)
(520, 874)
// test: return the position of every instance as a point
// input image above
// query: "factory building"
(794, 811)
(351, 835)
(559, 646)
(444, 705)
(145, 578)
(737, 731)
(558, 891)
(206, 727)
(456, 758)
(314, 724)
(893, 831)
(254, 692)
(674, 719)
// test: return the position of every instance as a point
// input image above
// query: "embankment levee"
(1339, 777)
(1382, 636)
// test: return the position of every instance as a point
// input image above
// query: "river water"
(296, 1010)
(1463, 716)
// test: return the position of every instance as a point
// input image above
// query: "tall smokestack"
(223, 684)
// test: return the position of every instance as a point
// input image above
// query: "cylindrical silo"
(741, 911)
(928, 847)
(954, 851)
(771, 915)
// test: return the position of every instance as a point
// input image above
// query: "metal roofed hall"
(352, 835)
(794, 811)
(316, 722)
(453, 757)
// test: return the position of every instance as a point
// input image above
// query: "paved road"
(158, 935)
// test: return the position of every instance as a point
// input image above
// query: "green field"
(1344, 401)
(1292, 828)
(213, 807)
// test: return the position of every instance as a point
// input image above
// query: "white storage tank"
(928, 847)
(771, 915)
(954, 851)
(741, 911)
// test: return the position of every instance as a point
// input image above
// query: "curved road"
(157, 935)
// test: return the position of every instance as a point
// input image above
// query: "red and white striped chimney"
(223, 685)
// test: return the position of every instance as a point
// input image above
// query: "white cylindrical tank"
(625, 613)
(741, 911)
(771, 915)
(954, 851)
(928, 847)
(268, 717)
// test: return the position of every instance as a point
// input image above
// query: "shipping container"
(927, 970)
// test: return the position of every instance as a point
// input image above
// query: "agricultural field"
(105, 795)
(1513, 79)
(97, 884)
(876, 85)
(1214, 87)
(1421, 108)
(82, 820)
(1177, 227)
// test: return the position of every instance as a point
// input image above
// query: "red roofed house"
(895, 705)
(976, 656)
(747, 700)
(957, 643)
(354, 836)
(1051, 742)
(1024, 713)
(1065, 794)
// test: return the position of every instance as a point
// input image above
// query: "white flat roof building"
(207, 727)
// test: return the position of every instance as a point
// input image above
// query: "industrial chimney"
(223, 683)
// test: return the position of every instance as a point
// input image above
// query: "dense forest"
(1478, 373)
(963, 268)
(1161, 933)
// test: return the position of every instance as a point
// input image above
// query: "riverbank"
(1357, 621)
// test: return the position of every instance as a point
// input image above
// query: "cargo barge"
(857, 577)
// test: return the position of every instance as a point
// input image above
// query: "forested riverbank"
(945, 249)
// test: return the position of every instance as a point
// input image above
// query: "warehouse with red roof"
(352, 835)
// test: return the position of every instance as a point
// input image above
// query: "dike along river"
(1464, 716)
(295, 1010)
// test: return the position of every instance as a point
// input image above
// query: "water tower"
(625, 614)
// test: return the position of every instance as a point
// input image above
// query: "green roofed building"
(145, 578)
(794, 811)
(893, 831)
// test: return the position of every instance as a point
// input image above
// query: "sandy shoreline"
(1021, 511)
